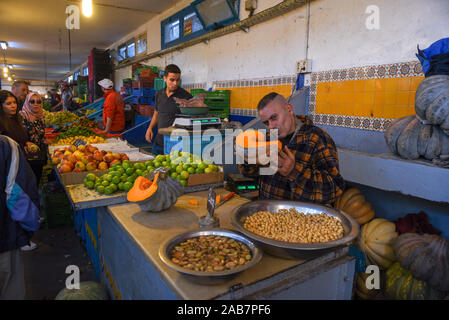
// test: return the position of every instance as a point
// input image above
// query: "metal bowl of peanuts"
(294, 230)
(210, 255)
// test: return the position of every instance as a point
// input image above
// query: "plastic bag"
(196, 101)
(435, 59)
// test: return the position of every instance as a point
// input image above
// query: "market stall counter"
(130, 239)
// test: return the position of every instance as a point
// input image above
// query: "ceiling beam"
(115, 7)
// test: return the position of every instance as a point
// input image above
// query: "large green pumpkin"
(88, 290)
(400, 285)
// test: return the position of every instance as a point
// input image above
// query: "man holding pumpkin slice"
(307, 164)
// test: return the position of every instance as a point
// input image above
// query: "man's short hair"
(171, 68)
(17, 84)
(268, 99)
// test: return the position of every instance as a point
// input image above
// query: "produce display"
(401, 285)
(210, 253)
(85, 158)
(156, 195)
(71, 140)
(80, 122)
(411, 139)
(426, 257)
(353, 202)
(432, 101)
(376, 240)
(61, 117)
(293, 226)
(120, 177)
(181, 165)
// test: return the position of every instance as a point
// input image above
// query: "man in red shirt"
(113, 108)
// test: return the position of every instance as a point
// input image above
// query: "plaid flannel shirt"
(315, 177)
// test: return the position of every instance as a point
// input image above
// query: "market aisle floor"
(45, 266)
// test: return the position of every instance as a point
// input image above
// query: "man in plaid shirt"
(308, 162)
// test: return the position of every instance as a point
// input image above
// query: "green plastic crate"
(58, 210)
(159, 83)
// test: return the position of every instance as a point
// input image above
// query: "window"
(70, 79)
(122, 52)
(141, 44)
(187, 24)
(216, 13)
(131, 48)
(75, 76)
(85, 71)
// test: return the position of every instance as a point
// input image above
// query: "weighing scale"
(188, 121)
(241, 184)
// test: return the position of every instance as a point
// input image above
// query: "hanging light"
(87, 9)
(5, 69)
(9, 79)
(4, 45)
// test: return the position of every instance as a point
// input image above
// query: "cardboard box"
(205, 178)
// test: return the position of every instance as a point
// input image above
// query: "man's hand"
(149, 135)
(286, 162)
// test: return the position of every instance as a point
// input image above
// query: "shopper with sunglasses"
(33, 122)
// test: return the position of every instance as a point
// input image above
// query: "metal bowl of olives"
(210, 256)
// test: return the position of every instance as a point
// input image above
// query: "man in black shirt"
(166, 108)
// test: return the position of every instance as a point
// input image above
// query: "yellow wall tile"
(411, 97)
(402, 97)
(359, 85)
(404, 84)
(370, 85)
(390, 98)
(390, 84)
(378, 111)
(368, 98)
(415, 83)
(379, 98)
(358, 97)
(389, 112)
(380, 84)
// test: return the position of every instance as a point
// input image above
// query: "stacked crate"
(218, 101)
(128, 86)
(143, 90)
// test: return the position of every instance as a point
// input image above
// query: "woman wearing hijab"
(33, 122)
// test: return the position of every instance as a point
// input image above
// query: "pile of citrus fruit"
(181, 165)
(120, 177)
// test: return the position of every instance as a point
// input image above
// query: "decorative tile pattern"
(191, 86)
(367, 98)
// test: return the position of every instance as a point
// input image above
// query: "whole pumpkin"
(361, 290)
(412, 139)
(157, 195)
(376, 240)
(88, 290)
(353, 202)
(432, 100)
(426, 256)
(400, 285)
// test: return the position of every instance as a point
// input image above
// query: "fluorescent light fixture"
(5, 75)
(10, 66)
(87, 9)
(4, 45)
(5, 69)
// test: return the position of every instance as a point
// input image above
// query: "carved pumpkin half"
(157, 195)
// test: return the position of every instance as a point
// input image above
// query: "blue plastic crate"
(136, 135)
(143, 100)
(144, 92)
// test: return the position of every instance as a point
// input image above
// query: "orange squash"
(353, 202)
(254, 139)
(142, 189)
(158, 195)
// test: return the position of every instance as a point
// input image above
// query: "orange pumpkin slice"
(142, 189)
